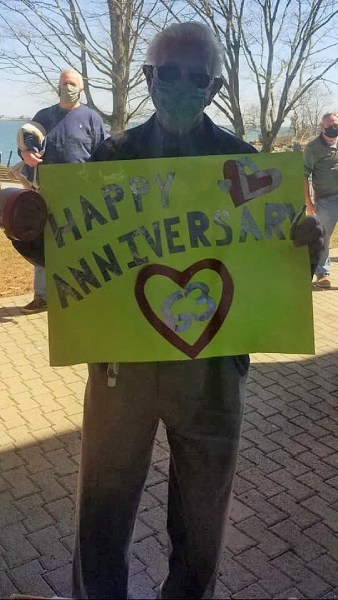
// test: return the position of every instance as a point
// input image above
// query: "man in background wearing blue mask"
(200, 401)
(73, 131)
(321, 164)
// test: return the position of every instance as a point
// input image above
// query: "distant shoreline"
(2, 118)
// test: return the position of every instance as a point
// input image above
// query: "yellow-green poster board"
(175, 259)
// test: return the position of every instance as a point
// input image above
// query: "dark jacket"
(150, 140)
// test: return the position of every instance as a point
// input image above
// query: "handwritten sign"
(175, 259)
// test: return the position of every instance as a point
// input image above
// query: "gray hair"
(73, 71)
(191, 30)
(332, 113)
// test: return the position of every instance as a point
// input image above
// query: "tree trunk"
(119, 21)
(267, 142)
(119, 114)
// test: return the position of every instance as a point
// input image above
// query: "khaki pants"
(201, 404)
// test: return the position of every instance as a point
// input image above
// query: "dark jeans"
(201, 405)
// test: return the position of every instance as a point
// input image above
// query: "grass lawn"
(16, 274)
(334, 238)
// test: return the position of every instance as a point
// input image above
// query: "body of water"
(8, 130)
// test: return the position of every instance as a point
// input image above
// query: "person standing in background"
(321, 164)
(73, 131)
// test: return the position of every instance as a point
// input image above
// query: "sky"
(19, 97)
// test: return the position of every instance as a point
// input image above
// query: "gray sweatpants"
(201, 404)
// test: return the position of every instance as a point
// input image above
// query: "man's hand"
(309, 232)
(31, 158)
(310, 209)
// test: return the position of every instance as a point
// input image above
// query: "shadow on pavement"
(317, 288)
(281, 541)
(7, 313)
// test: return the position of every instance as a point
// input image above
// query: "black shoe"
(323, 281)
(37, 305)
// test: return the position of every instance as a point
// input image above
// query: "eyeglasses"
(171, 72)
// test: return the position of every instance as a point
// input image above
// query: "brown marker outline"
(182, 278)
(256, 181)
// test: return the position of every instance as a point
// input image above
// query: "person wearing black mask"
(321, 165)
(200, 401)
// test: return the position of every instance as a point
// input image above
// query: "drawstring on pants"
(112, 373)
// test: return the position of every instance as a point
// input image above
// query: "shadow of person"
(318, 288)
(7, 313)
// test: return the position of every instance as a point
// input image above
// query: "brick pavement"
(282, 537)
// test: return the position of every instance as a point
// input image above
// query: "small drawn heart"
(182, 278)
(246, 187)
(224, 185)
(221, 216)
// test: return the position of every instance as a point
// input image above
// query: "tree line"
(277, 54)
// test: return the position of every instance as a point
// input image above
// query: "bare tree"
(102, 40)
(283, 46)
(287, 55)
(287, 46)
(307, 113)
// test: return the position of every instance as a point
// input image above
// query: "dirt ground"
(16, 274)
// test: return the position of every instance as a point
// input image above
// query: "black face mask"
(332, 131)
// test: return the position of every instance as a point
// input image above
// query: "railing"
(9, 158)
(11, 176)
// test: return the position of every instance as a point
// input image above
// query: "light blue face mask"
(179, 104)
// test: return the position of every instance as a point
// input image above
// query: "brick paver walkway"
(282, 537)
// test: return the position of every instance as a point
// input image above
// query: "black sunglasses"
(170, 73)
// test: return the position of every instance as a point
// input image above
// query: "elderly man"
(73, 131)
(321, 164)
(199, 401)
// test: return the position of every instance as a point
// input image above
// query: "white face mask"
(69, 93)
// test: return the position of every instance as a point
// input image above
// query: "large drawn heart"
(182, 278)
(245, 187)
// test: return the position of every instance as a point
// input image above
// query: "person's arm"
(31, 157)
(308, 170)
(309, 232)
(102, 132)
(310, 207)
(104, 151)
(99, 132)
